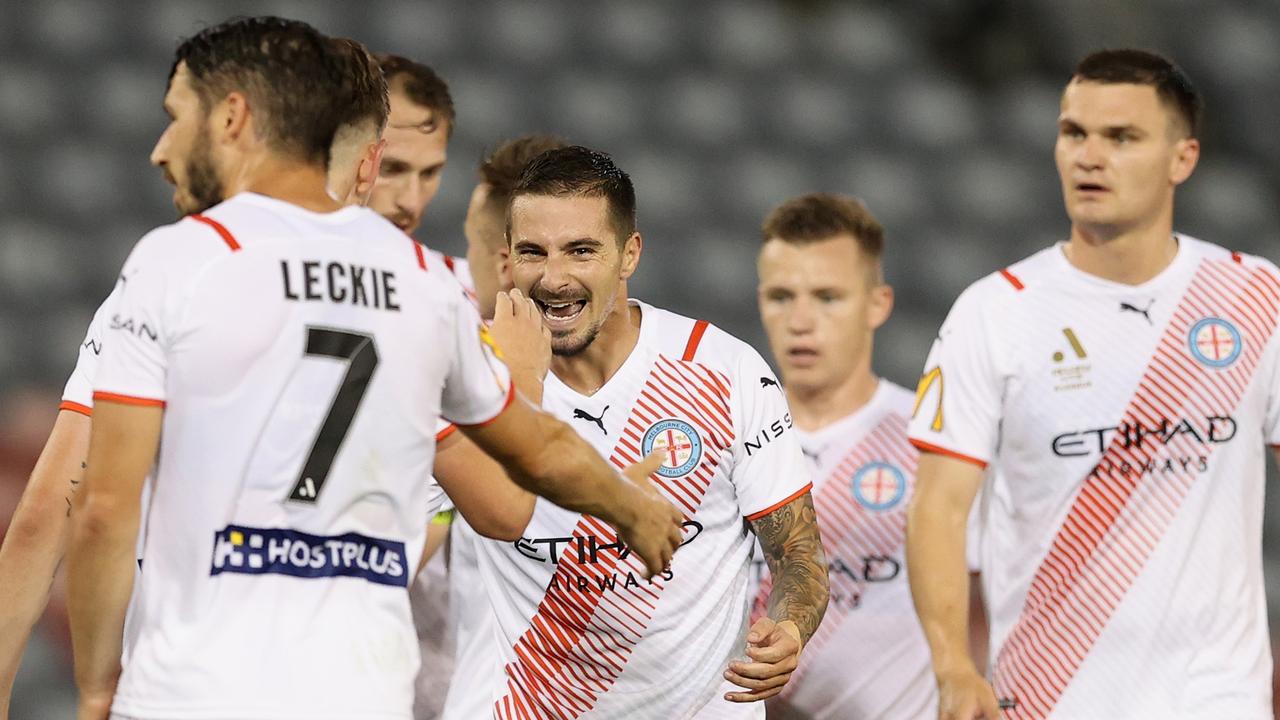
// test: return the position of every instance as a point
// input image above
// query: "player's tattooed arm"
(797, 563)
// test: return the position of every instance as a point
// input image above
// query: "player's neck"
(814, 408)
(1131, 257)
(588, 371)
(285, 180)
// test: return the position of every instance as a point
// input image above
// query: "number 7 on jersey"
(361, 354)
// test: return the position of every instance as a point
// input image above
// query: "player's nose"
(1090, 154)
(800, 319)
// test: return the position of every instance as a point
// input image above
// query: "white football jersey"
(477, 658)
(302, 361)
(581, 633)
(869, 657)
(1125, 429)
(77, 394)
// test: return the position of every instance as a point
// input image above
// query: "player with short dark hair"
(35, 543)
(581, 633)
(1116, 391)
(316, 347)
(821, 297)
(358, 141)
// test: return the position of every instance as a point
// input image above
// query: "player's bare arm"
(100, 556)
(545, 456)
(793, 549)
(36, 541)
(939, 577)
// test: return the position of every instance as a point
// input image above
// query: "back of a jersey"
(302, 361)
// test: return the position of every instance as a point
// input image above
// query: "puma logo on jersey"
(1144, 312)
(579, 414)
(768, 382)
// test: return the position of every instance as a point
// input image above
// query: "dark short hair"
(501, 169)
(1140, 67)
(421, 85)
(369, 89)
(821, 216)
(293, 76)
(574, 170)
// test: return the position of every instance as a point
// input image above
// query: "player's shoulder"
(186, 244)
(1006, 289)
(1217, 253)
(897, 399)
(693, 340)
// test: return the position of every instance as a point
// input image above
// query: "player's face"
(184, 151)
(412, 163)
(1120, 153)
(820, 303)
(485, 228)
(565, 255)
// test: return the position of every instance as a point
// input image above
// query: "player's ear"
(1186, 155)
(367, 172)
(880, 306)
(631, 250)
(231, 118)
(503, 260)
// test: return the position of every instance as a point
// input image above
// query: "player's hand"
(963, 694)
(654, 531)
(774, 651)
(525, 342)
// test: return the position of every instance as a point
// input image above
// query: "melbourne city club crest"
(1214, 342)
(879, 486)
(679, 443)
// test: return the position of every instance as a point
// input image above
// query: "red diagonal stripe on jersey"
(1119, 515)
(578, 641)
(851, 532)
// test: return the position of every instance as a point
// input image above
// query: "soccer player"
(1118, 389)
(417, 135)
(581, 633)
(294, 357)
(822, 296)
(470, 618)
(34, 546)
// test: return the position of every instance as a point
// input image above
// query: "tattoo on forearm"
(74, 483)
(797, 564)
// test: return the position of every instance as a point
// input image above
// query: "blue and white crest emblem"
(680, 444)
(1214, 342)
(879, 486)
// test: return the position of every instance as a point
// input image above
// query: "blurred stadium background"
(938, 113)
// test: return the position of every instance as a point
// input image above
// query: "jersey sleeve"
(1271, 387)
(478, 387)
(139, 328)
(77, 395)
(769, 468)
(957, 405)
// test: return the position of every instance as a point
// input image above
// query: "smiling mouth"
(561, 312)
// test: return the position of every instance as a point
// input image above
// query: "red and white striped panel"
(578, 642)
(850, 531)
(1117, 519)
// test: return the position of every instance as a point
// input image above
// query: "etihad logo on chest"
(586, 551)
(1211, 430)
